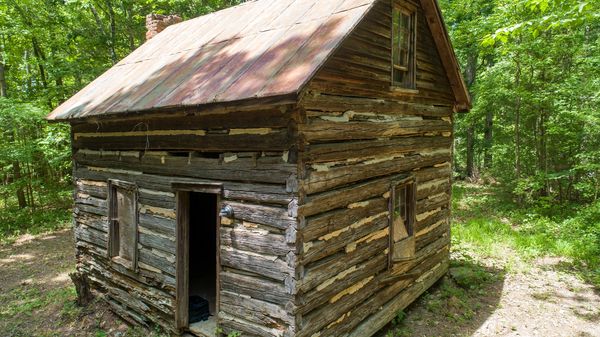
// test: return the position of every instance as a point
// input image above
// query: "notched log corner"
(82, 287)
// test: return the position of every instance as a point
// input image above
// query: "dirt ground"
(543, 300)
(477, 298)
(36, 294)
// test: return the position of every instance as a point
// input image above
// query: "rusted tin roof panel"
(258, 49)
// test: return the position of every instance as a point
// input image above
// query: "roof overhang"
(433, 14)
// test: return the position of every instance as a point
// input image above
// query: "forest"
(531, 140)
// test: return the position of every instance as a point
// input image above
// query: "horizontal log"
(91, 235)
(387, 309)
(277, 139)
(158, 242)
(330, 287)
(443, 214)
(255, 240)
(322, 130)
(383, 310)
(254, 310)
(256, 287)
(256, 192)
(268, 118)
(343, 197)
(97, 189)
(101, 211)
(315, 273)
(271, 267)
(232, 324)
(336, 241)
(433, 187)
(266, 169)
(340, 218)
(328, 178)
(433, 202)
(158, 224)
(95, 221)
(327, 152)
(159, 260)
(340, 103)
(276, 217)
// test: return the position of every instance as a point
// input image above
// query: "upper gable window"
(404, 47)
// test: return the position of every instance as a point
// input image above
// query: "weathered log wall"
(356, 134)
(257, 245)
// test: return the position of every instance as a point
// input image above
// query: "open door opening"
(197, 259)
(202, 264)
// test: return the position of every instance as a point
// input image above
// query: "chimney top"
(156, 23)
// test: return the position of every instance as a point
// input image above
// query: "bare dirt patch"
(540, 300)
(36, 294)
(478, 298)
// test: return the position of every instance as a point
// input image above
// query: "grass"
(53, 214)
(493, 235)
(488, 222)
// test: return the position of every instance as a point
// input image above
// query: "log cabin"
(277, 168)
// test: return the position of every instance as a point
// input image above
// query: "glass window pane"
(396, 34)
(400, 226)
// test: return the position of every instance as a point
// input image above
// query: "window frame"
(114, 243)
(408, 84)
(409, 242)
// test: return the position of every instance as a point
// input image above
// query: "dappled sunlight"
(61, 278)
(37, 260)
(24, 239)
(16, 258)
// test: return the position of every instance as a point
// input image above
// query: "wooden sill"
(123, 262)
(404, 91)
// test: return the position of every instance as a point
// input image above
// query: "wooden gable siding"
(257, 245)
(362, 65)
(356, 135)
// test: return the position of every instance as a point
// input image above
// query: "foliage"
(397, 328)
(48, 51)
(533, 70)
(489, 222)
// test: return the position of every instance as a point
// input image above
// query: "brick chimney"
(156, 23)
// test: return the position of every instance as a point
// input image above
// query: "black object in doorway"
(199, 309)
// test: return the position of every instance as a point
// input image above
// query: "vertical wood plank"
(182, 260)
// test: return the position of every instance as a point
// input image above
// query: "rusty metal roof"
(258, 49)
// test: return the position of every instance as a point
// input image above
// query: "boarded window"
(123, 229)
(402, 220)
(404, 47)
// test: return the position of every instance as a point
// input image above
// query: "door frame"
(182, 191)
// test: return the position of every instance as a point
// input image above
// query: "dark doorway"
(202, 256)
(197, 274)
(202, 262)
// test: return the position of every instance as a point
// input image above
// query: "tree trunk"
(20, 191)
(130, 32)
(3, 84)
(113, 31)
(470, 151)
(470, 76)
(518, 122)
(542, 151)
(488, 139)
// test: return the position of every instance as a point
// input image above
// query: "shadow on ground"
(457, 305)
(36, 294)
